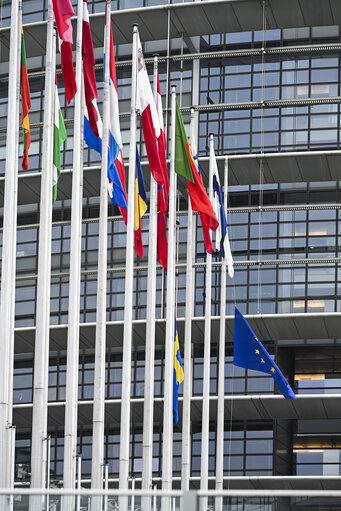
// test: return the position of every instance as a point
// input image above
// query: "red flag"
(68, 71)
(162, 144)
(162, 193)
(162, 246)
(62, 12)
(90, 87)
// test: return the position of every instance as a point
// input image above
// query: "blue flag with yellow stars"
(251, 354)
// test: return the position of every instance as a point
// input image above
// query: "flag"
(162, 192)
(222, 237)
(150, 121)
(63, 11)
(25, 103)
(162, 144)
(92, 120)
(140, 206)
(185, 166)
(90, 87)
(251, 354)
(59, 137)
(162, 246)
(204, 224)
(116, 172)
(178, 375)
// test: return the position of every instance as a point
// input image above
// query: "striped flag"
(116, 172)
(25, 103)
(222, 241)
(178, 375)
(93, 123)
(59, 137)
(185, 166)
(140, 206)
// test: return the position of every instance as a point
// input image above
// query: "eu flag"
(251, 354)
(178, 376)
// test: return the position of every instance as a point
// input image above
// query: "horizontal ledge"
(221, 107)
(254, 317)
(227, 397)
(181, 266)
(274, 50)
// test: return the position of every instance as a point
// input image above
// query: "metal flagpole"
(71, 398)
(79, 480)
(101, 309)
(128, 304)
(207, 359)
(13, 430)
(187, 388)
(41, 359)
(48, 462)
(106, 485)
(148, 410)
(169, 337)
(221, 365)
(9, 246)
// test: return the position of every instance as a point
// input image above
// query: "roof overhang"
(291, 167)
(211, 17)
(268, 327)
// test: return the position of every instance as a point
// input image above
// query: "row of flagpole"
(40, 394)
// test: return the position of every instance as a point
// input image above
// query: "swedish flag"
(251, 354)
(178, 375)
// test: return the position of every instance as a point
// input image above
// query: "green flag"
(59, 137)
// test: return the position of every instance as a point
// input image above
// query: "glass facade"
(284, 238)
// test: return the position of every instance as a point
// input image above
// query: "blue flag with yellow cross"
(178, 376)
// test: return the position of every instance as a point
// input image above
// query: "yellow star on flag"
(262, 360)
(257, 351)
(272, 369)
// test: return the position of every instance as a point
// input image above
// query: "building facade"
(267, 84)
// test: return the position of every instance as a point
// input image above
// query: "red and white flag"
(150, 120)
(63, 11)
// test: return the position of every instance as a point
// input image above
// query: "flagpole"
(207, 359)
(41, 359)
(221, 364)
(128, 304)
(7, 305)
(170, 314)
(187, 389)
(71, 398)
(148, 409)
(101, 306)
